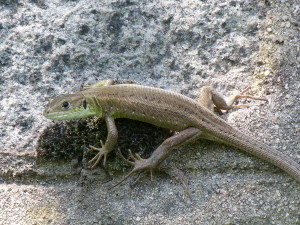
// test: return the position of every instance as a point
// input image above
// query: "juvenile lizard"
(191, 119)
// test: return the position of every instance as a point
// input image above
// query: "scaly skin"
(164, 109)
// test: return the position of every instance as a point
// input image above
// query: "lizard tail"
(265, 152)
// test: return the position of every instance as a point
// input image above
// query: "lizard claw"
(232, 99)
(241, 95)
(102, 152)
(126, 160)
(139, 164)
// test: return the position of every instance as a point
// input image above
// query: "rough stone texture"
(48, 48)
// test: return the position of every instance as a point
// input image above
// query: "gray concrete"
(51, 47)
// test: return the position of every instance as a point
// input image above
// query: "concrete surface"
(49, 48)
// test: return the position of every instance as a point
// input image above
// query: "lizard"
(190, 119)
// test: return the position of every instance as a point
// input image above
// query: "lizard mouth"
(71, 114)
(56, 115)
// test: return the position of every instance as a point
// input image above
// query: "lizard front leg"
(161, 153)
(111, 140)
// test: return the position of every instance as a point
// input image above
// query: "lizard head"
(72, 106)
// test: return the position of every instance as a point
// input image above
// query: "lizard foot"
(139, 164)
(102, 152)
(241, 95)
(144, 165)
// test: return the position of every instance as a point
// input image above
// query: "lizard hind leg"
(210, 98)
(160, 154)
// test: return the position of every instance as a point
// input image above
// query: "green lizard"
(191, 119)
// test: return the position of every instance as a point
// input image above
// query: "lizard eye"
(84, 104)
(66, 105)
